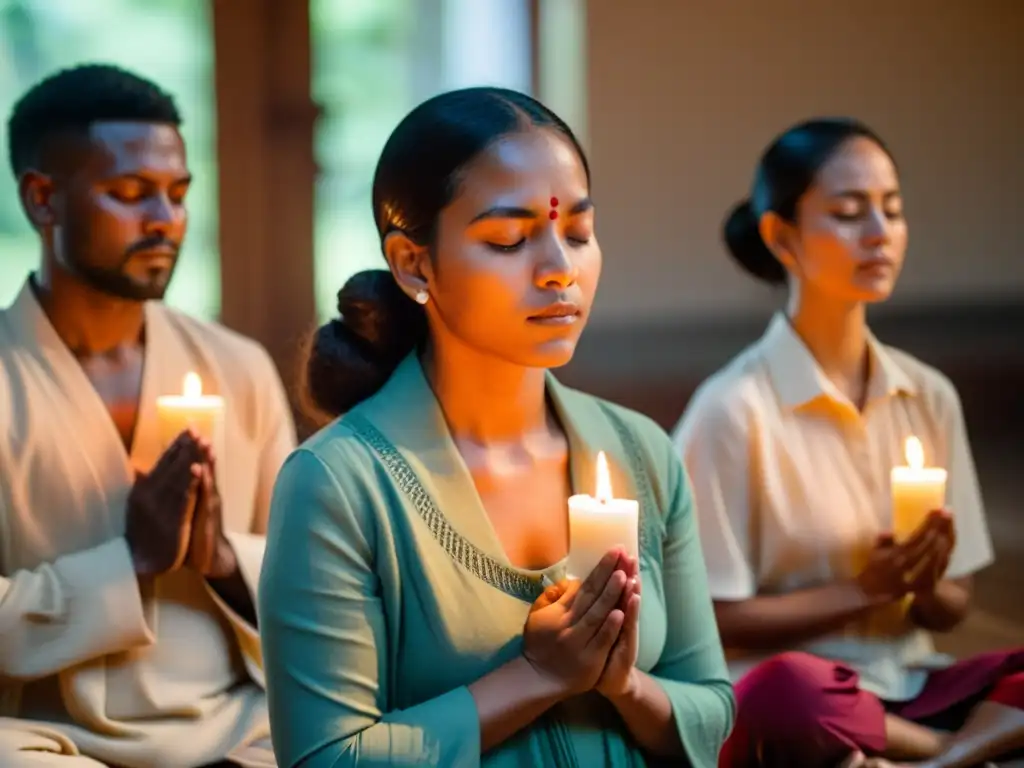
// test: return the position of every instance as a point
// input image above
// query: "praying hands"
(174, 516)
(941, 537)
(915, 566)
(209, 552)
(616, 676)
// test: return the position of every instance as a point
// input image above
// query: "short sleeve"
(712, 443)
(973, 550)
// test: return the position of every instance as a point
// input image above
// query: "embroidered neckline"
(457, 546)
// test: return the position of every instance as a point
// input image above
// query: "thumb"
(551, 595)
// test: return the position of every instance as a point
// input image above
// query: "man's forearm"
(233, 590)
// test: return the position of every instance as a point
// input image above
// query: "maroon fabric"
(1009, 691)
(950, 694)
(796, 709)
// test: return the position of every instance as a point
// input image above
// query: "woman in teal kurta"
(414, 604)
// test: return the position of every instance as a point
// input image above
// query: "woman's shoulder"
(724, 403)
(333, 456)
(923, 379)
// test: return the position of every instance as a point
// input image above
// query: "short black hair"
(71, 100)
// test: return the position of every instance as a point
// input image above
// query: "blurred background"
(288, 103)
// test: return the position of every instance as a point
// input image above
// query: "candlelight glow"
(598, 523)
(193, 386)
(604, 479)
(914, 452)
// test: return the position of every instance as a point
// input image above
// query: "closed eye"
(127, 194)
(893, 214)
(507, 248)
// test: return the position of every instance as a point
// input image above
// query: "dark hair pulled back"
(786, 170)
(417, 176)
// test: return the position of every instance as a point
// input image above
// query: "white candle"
(204, 414)
(916, 490)
(598, 523)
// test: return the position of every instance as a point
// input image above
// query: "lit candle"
(204, 414)
(916, 490)
(598, 523)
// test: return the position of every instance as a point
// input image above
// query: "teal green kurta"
(385, 592)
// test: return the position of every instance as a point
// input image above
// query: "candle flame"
(914, 452)
(604, 479)
(193, 386)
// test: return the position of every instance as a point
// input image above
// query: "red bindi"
(553, 215)
(554, 204)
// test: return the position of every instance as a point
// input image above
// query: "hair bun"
(379, 315)
(742, 234)
(352, 356)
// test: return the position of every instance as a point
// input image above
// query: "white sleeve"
(714, 447)
(81, 606)
(973, 550)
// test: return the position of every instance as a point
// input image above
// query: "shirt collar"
(799, 380)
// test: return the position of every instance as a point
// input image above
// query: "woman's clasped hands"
(914, 566)
(584, 635)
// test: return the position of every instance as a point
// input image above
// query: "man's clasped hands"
(174, 516)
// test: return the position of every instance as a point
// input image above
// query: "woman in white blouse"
(827, 616)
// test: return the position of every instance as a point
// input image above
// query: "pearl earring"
(422, 297)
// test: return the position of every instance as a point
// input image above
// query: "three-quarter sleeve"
(325, 638)
(692, 668)
(715, 451)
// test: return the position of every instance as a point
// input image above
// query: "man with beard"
(127, 567)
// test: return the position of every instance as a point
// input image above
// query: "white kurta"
(156, 675)
(791, 482)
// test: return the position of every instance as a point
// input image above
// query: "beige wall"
(684, 94)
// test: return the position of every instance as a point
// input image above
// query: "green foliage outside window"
(361, 71)
(168, 41)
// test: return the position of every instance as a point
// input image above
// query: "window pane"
(562, 27)
(373, 61)
(169, 41)
(361, 77)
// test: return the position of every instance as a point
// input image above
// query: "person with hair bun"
(415, 607)
(820, 603)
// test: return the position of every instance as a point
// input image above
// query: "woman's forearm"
(510, 698)
(646, 710)
(780, 621)
(942, 609)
